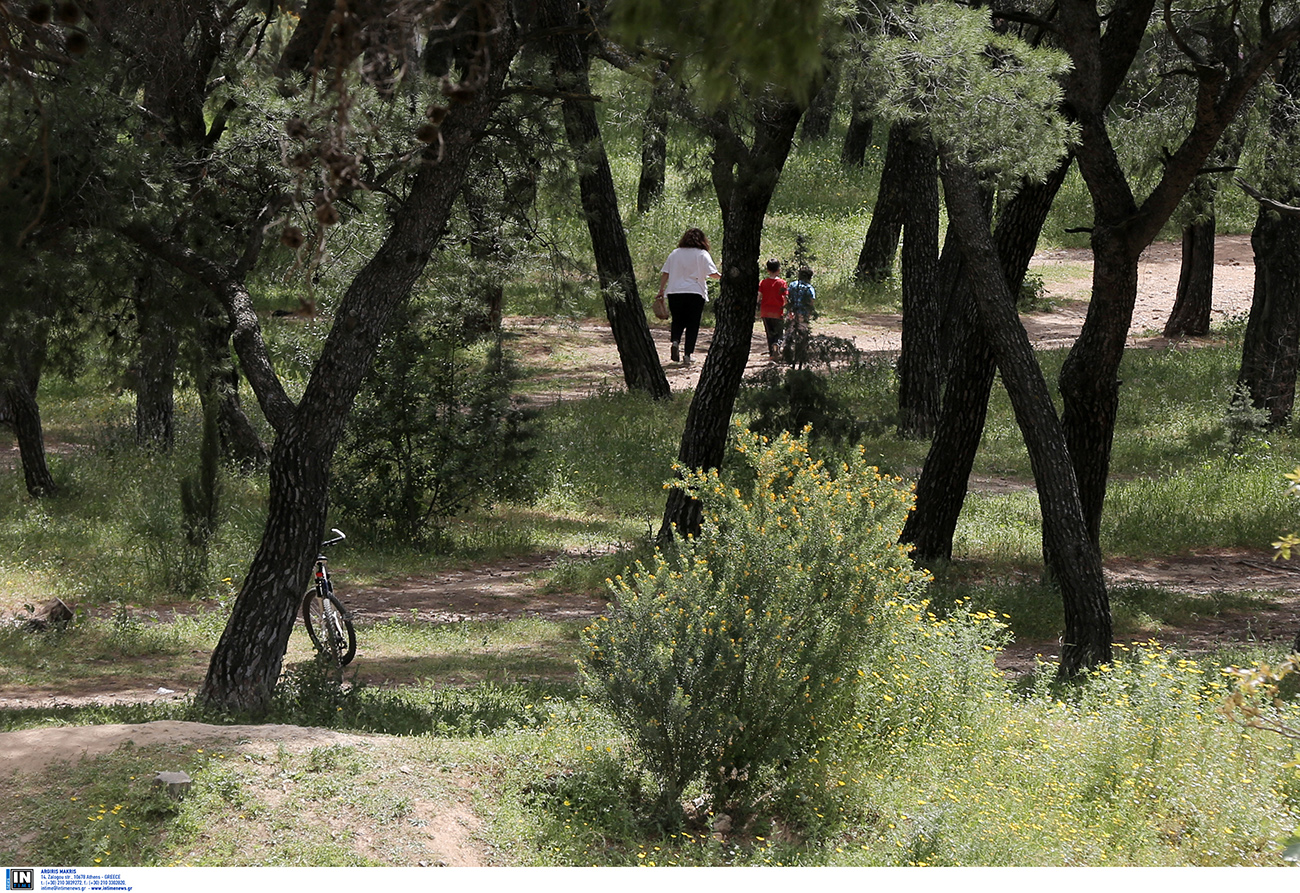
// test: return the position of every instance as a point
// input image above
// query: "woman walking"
(684, 280)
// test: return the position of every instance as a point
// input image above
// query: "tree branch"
(550, 93)
(1266, 202)
(1020, 17)
(1182, 45)
(254, 358)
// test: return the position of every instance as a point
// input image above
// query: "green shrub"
(734, 661)
(433, 432)
(794, 399)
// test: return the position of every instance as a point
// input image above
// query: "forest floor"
(584, 361)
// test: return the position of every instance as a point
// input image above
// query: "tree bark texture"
(1269, 352)
(941, 488)
(857, 138)
(879, 247)
(642, 370)
(246, 664)
(1073, 556)
(708, 421)
(921, 361)
(1089, 377)
(1190, 317)
(20, 411)
(1268, 356)
(159, 345)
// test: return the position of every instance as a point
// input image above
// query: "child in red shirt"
(772, 292)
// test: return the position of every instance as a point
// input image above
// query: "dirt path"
(582, 360)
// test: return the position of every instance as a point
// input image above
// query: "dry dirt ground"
(585, 361)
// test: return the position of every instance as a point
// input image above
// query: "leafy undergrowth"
(1135, 765)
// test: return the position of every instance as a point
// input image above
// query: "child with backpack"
(799, 311)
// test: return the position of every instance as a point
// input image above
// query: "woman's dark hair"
(774, 266)
(694, 238)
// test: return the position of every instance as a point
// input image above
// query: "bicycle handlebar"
(339, 536)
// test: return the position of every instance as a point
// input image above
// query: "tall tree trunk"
(941, 488)
(876, 260)
(920, 364)
(1090, 375)
(758, 168)
(246, 662)
(642, 370)
(857, 138)
(159, 346)
(1073, 556)
(654, 145)
(24, 416)
(1195, 299)
(1269, 352)
(20, 411)
(1268, 356)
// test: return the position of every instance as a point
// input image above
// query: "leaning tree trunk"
(24, 361)
(1123, 227)
(1190, 317)
(1074, 558)
(941, 488)
(1090, 375)
(20, 411)
(642, 370)
(876, 259)
(246, 663)
(1269, 352)
(921, 361)
(708, 421)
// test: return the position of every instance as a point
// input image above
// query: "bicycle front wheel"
(329, 626)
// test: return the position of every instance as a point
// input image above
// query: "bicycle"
(328, 623)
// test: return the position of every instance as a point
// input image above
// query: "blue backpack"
(800, 298)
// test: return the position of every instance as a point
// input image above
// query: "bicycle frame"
(328, 622)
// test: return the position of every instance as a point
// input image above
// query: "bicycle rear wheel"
(329, 626)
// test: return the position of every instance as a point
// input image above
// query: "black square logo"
(20, 879)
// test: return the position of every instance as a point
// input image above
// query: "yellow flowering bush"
(732, 658)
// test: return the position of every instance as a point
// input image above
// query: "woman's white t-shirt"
(688, 272)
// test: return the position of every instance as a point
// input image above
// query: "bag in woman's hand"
(660, 307)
